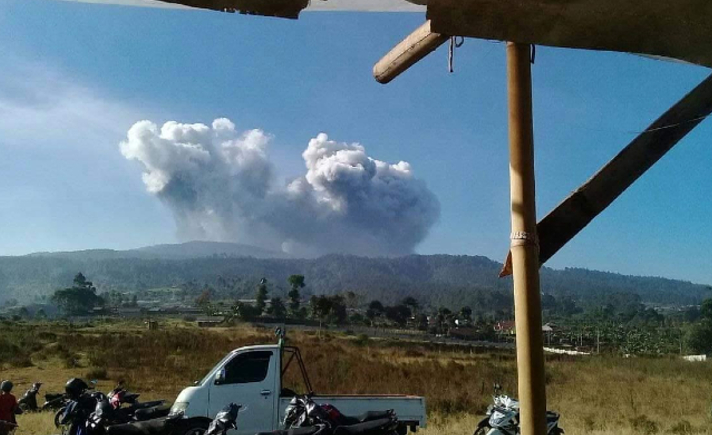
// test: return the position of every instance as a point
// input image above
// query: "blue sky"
(75, 77)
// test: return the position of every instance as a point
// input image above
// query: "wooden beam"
(407, 53)
(595, 195)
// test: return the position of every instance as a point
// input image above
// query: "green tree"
(261, 296)
(330, 309)
(80, 281)
(706, 309)
(276, 308)
(352, 300)
(296, 282)
(79, 299)
(375, 309)
(411, 303)
(398, 314)
(699, 337)
(466, 314)
(245, 311)
(204, 299)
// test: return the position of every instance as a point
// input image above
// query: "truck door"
(248, 380)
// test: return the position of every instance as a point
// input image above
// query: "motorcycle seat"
(364, 428)
(144, 405)
(152, 413)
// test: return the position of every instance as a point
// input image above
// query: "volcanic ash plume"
(220, 185)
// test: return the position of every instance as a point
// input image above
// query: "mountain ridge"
(233, 271)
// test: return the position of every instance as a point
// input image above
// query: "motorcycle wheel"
(482, 430)
(193, 429)
(58, 417)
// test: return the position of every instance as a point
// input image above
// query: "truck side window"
(247, 367)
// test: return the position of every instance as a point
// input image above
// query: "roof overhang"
(278, 8)
(679, 29)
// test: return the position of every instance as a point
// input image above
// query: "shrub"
(97, 373)
(47, 336)
(682, 427)
(70, 361)
(361, 340)
(589, 423)
(642, 424)
(21, 361)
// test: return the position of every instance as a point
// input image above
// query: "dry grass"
(594, 395)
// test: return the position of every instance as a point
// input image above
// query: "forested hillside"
(433, 279)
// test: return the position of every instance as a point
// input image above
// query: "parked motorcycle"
(503, 418)
(109, 412)
(174, 424)
(28, 401)
(82, 402)
(139, 411)
(311, 418)
(224, 421)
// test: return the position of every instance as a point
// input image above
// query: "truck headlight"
(179, 408)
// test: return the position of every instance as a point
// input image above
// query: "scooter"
(224, 421)
(28, 401)
(503, 418)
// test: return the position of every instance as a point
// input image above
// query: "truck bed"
(410, 409)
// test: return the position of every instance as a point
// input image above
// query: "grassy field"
(600, 395)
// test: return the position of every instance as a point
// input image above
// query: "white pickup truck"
(252, 377)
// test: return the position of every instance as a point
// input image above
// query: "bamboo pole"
(524, 247)
(407, 53)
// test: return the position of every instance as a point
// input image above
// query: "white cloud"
(220, 185)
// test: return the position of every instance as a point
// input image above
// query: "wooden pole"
(524, 247)
(407, 53)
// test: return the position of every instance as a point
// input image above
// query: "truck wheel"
(194, 428)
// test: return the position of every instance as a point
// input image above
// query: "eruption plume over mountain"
(220, 185)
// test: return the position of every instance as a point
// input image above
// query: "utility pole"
(524, 245)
